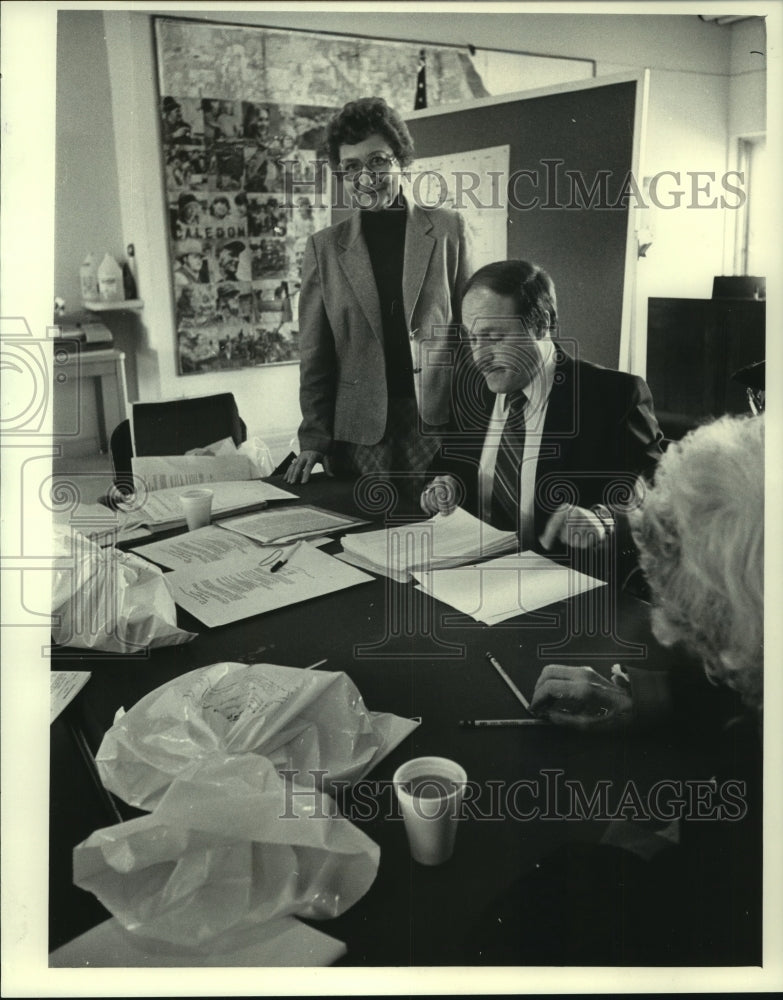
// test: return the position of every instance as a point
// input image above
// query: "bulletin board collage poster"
(243, 117)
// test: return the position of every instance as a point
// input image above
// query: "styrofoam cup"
(197, 505)
(429, 790)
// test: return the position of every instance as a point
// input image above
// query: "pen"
(500, 723)
(281, 562)
(519, 696)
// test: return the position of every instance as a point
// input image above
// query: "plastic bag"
(301, 720)
(109, 600)
(232, 848)
(260, 456)
(254, 449)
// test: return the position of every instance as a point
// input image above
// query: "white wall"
(692, 96)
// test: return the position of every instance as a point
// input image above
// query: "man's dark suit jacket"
(600, 434)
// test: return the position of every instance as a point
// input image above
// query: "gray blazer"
(342, 376)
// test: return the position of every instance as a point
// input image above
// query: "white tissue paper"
(109, 600)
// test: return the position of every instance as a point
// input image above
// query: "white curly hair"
(700, 533)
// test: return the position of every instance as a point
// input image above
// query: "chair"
(172, 428)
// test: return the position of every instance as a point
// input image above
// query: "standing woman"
(378, 290)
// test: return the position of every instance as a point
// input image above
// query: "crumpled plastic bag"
(301, 720)
(255, 449)
(109, 600)
(229, 849)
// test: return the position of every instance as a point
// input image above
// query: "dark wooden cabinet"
(693, 348)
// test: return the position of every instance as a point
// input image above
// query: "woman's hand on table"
(440, 496)
(581, 698)
(299, 470)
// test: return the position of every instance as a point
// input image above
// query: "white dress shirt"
(537, 395)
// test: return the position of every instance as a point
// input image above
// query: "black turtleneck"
(384, 234)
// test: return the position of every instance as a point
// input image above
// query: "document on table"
(102, 524)
(494, 591)
(205, 546)
(279, 943)
(290, 523)
(161, 509)
(166, 471)
(245, 585)
(64, 685)
(443, 540)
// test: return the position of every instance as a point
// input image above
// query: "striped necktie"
(505, 486)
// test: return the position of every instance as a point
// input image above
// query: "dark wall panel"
(581, 245)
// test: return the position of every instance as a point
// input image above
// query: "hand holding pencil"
(582, 698)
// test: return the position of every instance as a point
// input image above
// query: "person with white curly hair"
(684, 888)
(700, 534)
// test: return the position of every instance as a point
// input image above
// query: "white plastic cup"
(197, 505)
(429, 790)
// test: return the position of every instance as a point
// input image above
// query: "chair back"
(174, 427)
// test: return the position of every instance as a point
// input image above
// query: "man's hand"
(574, 526)
(440, 496)
(302, 466)
(581, 698)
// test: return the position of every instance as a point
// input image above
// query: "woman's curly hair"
(360, 119)
(700, 534)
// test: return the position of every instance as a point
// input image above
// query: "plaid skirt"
(402, 456)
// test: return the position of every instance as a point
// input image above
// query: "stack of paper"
(202, 547)
(64, 685)
(444, 540)
(162, 510)
(241, 585)
(102, 524)
(494, 591)
(164, 472)
(290, 524)
(279, 943)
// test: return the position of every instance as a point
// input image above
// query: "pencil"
(500, 723)
(517, 693)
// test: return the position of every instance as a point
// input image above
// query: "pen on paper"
(282, 562)
(318, 663)
(512, 686)
(501, 723)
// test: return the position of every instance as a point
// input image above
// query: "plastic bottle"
(110, 280)
(129, 282)
(88, 278)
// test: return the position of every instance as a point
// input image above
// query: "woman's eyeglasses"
(376, 163)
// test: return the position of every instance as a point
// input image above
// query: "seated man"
(541, 442)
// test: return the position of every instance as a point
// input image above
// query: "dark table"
(411, 656)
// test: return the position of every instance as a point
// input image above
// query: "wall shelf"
(127, 305)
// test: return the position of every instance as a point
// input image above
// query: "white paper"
(163, 508)
(494, 591)
(289, 523)
(102, 524)
(437, 185)
(164, 472)
(64, 685)
(203, 547)
(245, 586)
(443, 540)
(283, 943)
